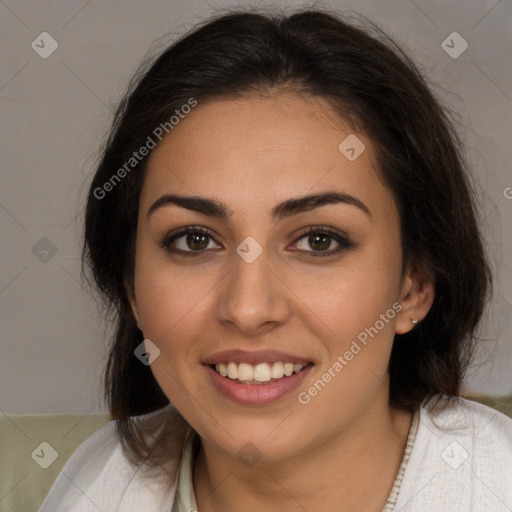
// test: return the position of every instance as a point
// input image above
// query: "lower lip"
(257, 393)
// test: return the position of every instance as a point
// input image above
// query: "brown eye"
(196, 241)
(191, 241)
(320, 240)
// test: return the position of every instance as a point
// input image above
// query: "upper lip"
(254, 357)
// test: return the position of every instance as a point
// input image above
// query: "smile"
(248, 390)
(258, 374)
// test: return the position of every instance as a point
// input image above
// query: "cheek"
(360, 308)
(362, 324)
(362, 314)
(357, 295)
(168, 296)
(171, 305)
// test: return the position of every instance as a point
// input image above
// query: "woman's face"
(258, 284)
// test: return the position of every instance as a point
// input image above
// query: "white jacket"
(461, 461)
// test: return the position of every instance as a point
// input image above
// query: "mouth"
(258, 374)
(259, 382)
(257, 377)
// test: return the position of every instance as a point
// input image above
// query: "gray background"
(55, 112)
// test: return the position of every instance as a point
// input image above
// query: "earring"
(414, 321)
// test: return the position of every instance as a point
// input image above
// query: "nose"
(253, 297)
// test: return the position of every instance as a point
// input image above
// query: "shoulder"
(465, 413)
(98, 476)
(461, 460)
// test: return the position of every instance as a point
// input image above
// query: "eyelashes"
(315, 234)
(169, 240)
(202, 238)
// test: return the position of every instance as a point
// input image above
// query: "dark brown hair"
(374, 86)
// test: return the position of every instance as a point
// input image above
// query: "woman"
(283, 224)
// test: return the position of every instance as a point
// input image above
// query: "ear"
(130, 293)
(416, 297)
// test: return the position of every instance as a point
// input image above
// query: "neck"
(354, 470)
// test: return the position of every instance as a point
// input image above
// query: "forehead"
(259, 150)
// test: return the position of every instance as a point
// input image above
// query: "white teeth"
(297, 367)
(277, 370)
(262, 372)
(232, 370)
(245, 371)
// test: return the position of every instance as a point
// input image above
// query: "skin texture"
(342, 450)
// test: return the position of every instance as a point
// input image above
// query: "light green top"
(185, 500)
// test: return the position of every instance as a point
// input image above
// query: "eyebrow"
(295, 205)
